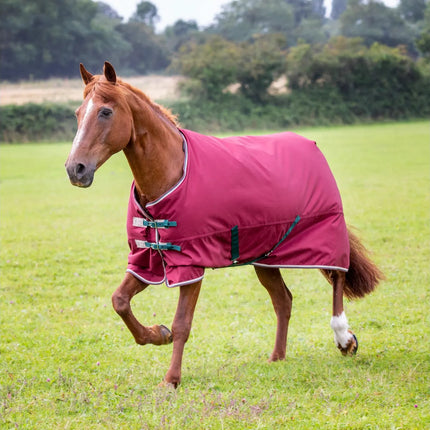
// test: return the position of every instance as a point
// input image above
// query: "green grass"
(68, 362)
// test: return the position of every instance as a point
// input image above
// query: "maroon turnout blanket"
(264, 200)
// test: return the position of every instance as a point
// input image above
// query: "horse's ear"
(109, 72)
(86, 75)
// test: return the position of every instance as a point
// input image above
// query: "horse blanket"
(263, 200)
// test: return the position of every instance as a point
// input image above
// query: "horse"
(163, 158)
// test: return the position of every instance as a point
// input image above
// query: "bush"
(214, 64)
(232, 113)
(36, 122)
(236, 112)
(376, 82)
(217, 63)
(305, 107)
(261, 62)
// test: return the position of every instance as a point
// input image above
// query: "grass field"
(68, 362)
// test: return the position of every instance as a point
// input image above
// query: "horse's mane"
(109, 91)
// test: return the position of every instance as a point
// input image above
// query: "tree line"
(47, 38)
(365, 62)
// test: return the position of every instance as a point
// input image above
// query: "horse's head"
(105, 125)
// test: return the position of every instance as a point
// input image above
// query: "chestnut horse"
(114, 116)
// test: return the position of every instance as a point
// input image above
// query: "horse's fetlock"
(141, 341)
(172, 380)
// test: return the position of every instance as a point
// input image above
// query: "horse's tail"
(363, 275)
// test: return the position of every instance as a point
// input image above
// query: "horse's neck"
(155, 153)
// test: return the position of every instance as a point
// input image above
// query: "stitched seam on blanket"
(228, 230)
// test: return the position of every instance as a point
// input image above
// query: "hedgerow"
(36, 122)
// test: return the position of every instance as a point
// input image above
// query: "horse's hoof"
(166, 335)
(167, 385)
(351, 348)
(276, 357)
(355, 348)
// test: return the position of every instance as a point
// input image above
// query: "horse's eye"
(105, 113)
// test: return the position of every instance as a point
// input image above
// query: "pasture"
(68, 362)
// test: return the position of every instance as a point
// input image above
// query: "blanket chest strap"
(157, 223)
(160, 246)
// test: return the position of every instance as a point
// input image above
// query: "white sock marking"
(340, 326)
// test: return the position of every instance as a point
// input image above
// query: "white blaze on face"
(340, 326)
(82, 128)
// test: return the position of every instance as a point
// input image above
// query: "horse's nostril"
(80, 170)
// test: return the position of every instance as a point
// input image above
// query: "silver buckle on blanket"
(157, 223)
(158, 246)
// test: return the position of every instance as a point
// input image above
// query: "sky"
(169, 11)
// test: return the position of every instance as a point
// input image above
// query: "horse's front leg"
(157, 334)
(181, 327)
(344, 338)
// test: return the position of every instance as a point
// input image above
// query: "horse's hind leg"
(157, 334)
(282, 301)
(344, 338)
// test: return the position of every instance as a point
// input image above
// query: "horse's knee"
(181, 331)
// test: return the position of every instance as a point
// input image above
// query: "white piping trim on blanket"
(143, 279)
(185, 145)
(164, 280)
(295, 266)
(191, 281)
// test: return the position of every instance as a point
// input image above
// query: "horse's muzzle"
(80, 174)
